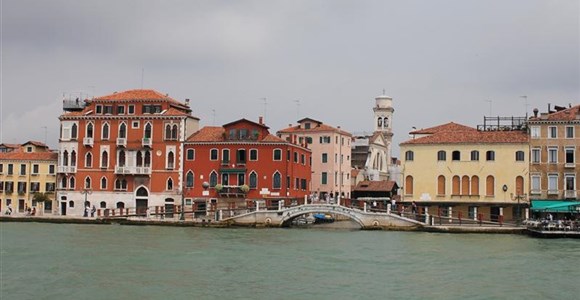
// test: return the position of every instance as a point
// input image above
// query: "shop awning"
(555, 206)
(233, 170)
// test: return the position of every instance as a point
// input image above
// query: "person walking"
(93, 210)
(9, 210)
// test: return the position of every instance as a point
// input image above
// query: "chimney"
(261, 120)
(187, 101)
(535, 112)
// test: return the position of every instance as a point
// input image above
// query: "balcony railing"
(88, 141)
(122, 142)
(67, 169)
(146, 142)
(132, 170)
(570, 194)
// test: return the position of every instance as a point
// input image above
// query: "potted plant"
(218, 187)
(244, 188)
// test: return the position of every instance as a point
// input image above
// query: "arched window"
(474, 186)
(474, 155)
(441, 185)
(409, 155)
(117, 184)
(104, 159)
(71, 183)
(142, 192)
(147, 131)
(170, 160)
(63, 182)
(139, 159)
(253, 180)
(74, 131)
(465, 185)
(147, 162)
(169, 184)
(120, 205)
(88, 160)
(65, 158)
(122, 158)
(213, 179)
(73, 158)
(167, 132)
(123, 131)
(520, 156)
(71, 204)
(490, 155)
(105, 132)
(174, 132)
(519, 185)
(103, 204)
(455, 185)
(456, 155)
(409, 185)
(189, 179)
(103, 183)
(90, 130)
(277, 181)
(490, 186)
(441, 155)
(87, 182)
(124, 184)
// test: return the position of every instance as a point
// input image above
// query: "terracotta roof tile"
(375, 186)
(29, 156)
(451, 126)
(208, 134)
(568, 114)
(319, 128)
(471, 137)
(273, 138)
(139, 94)
(174, 112)
(36, 143)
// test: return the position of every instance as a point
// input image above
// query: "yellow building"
(454, 169)
(26, 173)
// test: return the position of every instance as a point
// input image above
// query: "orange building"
(241, 161)
(122, 150)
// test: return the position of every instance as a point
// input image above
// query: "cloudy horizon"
(441, 61)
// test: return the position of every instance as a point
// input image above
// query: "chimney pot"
(261, 120)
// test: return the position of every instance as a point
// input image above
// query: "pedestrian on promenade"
(414, 207)
(393, 204)
(93, 210)
(86, 214)
(9, 210)
(33, 213)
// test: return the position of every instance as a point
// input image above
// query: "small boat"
(322, 218)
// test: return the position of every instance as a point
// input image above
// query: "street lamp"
(518, 197)
(86, 192)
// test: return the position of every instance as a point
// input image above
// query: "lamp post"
(86, 192)
(519, 197)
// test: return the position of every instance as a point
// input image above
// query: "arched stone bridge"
(283, 217)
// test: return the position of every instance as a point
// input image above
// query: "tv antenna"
(265, 107)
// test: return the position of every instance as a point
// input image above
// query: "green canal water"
(54, 261)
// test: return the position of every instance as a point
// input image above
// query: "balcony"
(122, 142)
(570, 194)
(88, 141)
(67, 169)
(569, 165)
(132, 170)
(553, 192)
(146, 142)
(232, 191)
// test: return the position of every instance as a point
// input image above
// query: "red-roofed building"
(455, 170)
(27, 171)
(122, 150)
(554, 144)
(330, 156)
(242, 161)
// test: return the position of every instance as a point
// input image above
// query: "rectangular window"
(553, 132)
(213, 154)
(1, 168)
(570, 156)
(51, 169)
(324, 179)
(21, 187)
(120, 110)
(190, 154)
(303, 159)
(569, 184)
(535, 188)
(49, 187)
(552, 183)
(569, 132)
(277, 154)
(35, 169)
(303, 184)
(253, 154)
(288, 155)
(536, 155)
(243, 134)
(131, 109)
(535, 132)
(108, 109)
(296, 183)
(296, 157)
(553, 155)
(10, 169)
(135, 124)
(474, 155)
(99, 109)
(324, 157)
(335, 178)
(324, 140)
(35, 187)
(22, 169)
(1, 186)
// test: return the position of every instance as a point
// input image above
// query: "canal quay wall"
(225, 224)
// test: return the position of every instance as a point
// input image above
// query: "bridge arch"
(298, 211)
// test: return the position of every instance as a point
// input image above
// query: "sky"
(440, 61)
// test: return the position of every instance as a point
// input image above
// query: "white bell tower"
(384, 116)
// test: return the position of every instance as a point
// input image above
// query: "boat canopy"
(556, 206)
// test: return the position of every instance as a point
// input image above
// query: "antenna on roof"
(45, 129)
(265, 106)
(384, 92)
(525, 104)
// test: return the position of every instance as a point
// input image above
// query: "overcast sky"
(441, 61)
